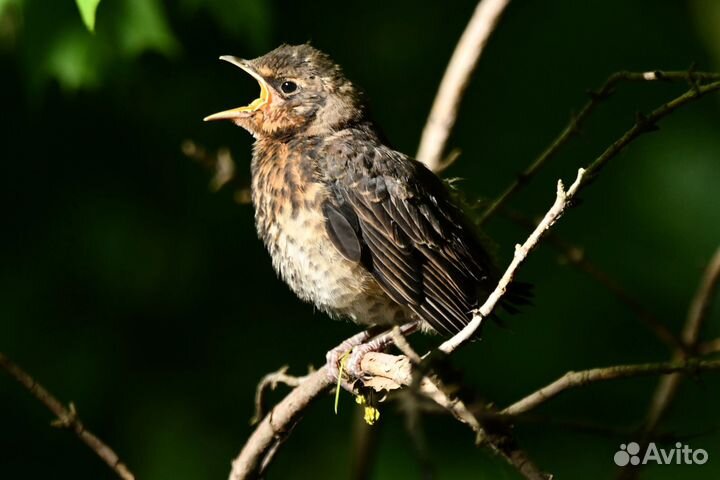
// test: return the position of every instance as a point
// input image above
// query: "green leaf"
(87, 12)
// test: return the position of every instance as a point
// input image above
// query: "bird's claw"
(334, 357)
(353, 365)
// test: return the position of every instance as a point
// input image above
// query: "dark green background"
(130, 289)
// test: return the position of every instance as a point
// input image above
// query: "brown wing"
(413, 240)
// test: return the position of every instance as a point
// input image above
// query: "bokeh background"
(129, 288)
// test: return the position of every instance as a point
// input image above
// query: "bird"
(358, 229)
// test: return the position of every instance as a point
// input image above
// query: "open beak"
(255, 105)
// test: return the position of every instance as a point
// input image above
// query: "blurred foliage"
(130, 289)
(57, 48)
(87, 12)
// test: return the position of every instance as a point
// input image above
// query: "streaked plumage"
(354, 227)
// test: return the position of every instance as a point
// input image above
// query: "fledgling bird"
(356, 228)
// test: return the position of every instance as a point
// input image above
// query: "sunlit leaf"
(87, 12)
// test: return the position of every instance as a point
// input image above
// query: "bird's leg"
(334, 356)
(377, 344)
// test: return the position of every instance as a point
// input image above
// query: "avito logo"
(680, 455)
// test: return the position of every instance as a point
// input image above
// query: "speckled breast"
(288, 200)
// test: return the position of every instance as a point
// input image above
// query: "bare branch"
(277, 424)
(270, 382)
(456, 79)
(562, 200)
(702, 300)
(643, 124)
(586, 377)
(66, 418)
(222, 166)
(697, 312)
(390, 372)
(573, 127)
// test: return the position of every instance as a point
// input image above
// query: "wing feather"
(414, 241)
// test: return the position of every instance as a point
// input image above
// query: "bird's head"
(302, 91)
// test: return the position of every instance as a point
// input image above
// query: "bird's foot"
(335, 356)
(352, 366)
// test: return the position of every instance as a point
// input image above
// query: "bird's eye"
(288, 86)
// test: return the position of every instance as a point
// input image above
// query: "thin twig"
(66, 418)
(700, 305)
(222, 166)
(270, 382)
(455, 81)
(586, 377)
(697, 313)
(562, 200)
(574, 126)
(277, 424)
(643, 124)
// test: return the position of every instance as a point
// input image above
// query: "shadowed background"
(129, 288)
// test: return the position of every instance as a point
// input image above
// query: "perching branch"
(455, 81)
(576, 122)
(67, 417)
(397, 371)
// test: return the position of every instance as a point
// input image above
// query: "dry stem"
(66, 418)
(455, 81)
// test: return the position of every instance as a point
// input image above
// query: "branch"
(277, 424)
(392, 372)
(574, 126)
(397, 370)
(270, 382)
(66, 417)
(455, 81)
(586, 377)
(562, 200)
(643, 124)
(700, 305)
(222, 166)
(697, 313)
